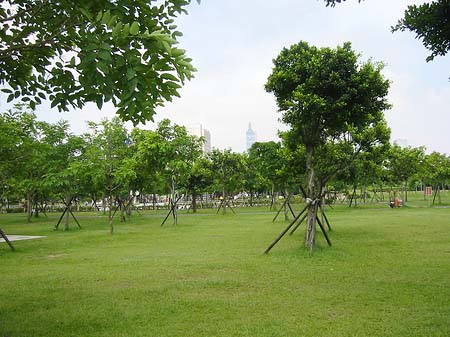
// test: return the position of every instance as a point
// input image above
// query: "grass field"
(387, 274)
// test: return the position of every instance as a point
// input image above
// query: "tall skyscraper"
(251, 136)
(199, 131)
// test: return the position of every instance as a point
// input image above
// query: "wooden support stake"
(73, 216)
(298, 224)
(292, 211)
(323, 231)
(283, 232)
(284, 203)
(171, 209)
(64, 212)
(325, 217)
(3, 234)
(220, 205)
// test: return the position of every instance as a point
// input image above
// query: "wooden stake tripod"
(3, 235)
(285, 203)
(67, 209)
(300, 218)
(126, 205)
(173, 206)
(225, 203)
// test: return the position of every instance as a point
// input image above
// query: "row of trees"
(44, 161)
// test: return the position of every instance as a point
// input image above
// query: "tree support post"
(67, 209)
(3, 235)
(172, 209)
(284, 231)
(285, 203)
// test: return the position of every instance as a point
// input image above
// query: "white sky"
(233, 43)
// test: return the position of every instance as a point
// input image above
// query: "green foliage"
(332, 103)
(404, 162)
(227, 168)
(431, 23)
(435, 169)
(179, 151)
(93, 51)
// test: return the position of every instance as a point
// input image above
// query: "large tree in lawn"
(74, 52)
(327, 97)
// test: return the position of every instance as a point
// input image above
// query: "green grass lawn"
(387, 274)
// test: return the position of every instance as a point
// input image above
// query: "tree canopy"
(334, 107)
(429, 21)
(93, 51)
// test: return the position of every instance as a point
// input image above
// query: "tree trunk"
(29, 206)
(110, 217)
(224, 201)
(286, 195)
(194, 201)
(311, 194)
(174, 200)
(406, 191)
(272, 202)
(66, 222)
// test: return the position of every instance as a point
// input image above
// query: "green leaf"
(10, 98)
(134, 29)
(117, 30)
(130, 73)
(99, 16)
(106, 17)
(86, 13)
(166, 47)
(168, 76)
(99, 102)
(126, 30)
(173, 85)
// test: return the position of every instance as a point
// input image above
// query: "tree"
(227, 169)
(404, 163)
(199, 178)
(93, 51)
(334, 107)
(436, 172)
(61, 178)
(29, 161)
(265, 159)
(108, 161)
(430, 22)
(180, 151)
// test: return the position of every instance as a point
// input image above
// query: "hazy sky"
(233, 42)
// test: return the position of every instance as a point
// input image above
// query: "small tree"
(332, 103)
(180, 151)
(108, 160)
(227, 169)
(404, 163)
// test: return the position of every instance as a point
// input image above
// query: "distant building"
(251, 136)
(199, 131)
(401, 142)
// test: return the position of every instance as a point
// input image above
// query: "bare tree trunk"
(66, 222)
(286, 195)
(224, 200)
(272, 202)
(29, 206)
(174, 212)
(406, 190)
(311, 193)
(110, 217)
(194, 201)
